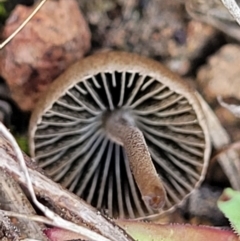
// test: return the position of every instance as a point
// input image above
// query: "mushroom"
(123, 133)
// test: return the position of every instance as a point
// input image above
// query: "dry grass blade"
(53, 192)
(2, 45)
(234, 109)
(20, 158)
(233, 8)
(36, 218)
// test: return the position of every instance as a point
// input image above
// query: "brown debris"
(56, 37)
(201, 207)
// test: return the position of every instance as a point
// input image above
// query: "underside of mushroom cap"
(69, 141)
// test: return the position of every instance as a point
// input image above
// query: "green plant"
(229, 204)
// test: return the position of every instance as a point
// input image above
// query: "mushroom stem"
(121, 129)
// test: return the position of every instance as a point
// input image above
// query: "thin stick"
(233, 8)
(20, 158)
(22, 25)
(234, 109)
(36, 218)
(234, 145)
(121, 129)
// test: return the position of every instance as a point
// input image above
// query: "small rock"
(221, 75)
(56, 37)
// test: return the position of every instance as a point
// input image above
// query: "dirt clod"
(57, 36)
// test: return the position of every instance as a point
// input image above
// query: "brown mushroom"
(123, 133)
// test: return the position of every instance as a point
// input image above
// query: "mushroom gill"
(123, 133)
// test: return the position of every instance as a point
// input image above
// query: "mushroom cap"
(69, 142)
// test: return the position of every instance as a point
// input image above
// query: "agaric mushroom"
(123, 133)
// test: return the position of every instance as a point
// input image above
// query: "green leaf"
(175, 232)
(229, 204)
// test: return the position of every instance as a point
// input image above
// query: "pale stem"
(233, 8)
(122, 130)
(22, 25)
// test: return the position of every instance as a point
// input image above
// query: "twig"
(22, 25)
(234, 109)
(233, 8)
(20, 158)
(234, 145)
(35, 218)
